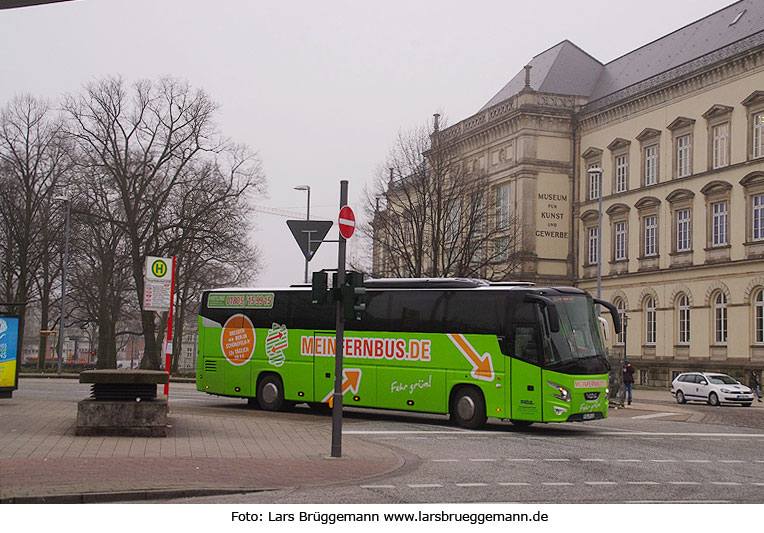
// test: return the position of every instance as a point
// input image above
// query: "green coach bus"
(464, 347)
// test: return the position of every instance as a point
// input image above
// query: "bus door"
(323, 347)
(525, 374)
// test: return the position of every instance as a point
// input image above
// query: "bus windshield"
(579, 336)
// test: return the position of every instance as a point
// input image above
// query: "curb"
(128, 496)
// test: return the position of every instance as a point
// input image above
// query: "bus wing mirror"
(613, 313)
(551, 309)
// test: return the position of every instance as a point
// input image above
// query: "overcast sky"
(320, 88)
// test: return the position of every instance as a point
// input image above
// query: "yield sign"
(309, 234)
(347, 222)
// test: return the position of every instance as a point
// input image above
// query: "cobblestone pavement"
(41, 459)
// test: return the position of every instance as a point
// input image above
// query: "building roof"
(566, 69)
(563, 69)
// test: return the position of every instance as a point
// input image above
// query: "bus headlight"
(562, 393)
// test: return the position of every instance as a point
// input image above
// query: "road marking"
(445, 460)
(654, 415)
(600, 483)
(557, 460)
(425, 485)
(730, 461)
(629, 460)
(471, 484)
(667, 434)
(521, 484)
(560, 484)
(378, 486)
(683, 483)
(593, 460)
(483, 460)
(664, 460)
(725, 483)
(521, 460)
(642, 483)
(697, 461)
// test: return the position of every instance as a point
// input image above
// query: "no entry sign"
(347, 222)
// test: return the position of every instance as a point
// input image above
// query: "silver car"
(710, 387)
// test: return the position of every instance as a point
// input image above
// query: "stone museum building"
(650, 167)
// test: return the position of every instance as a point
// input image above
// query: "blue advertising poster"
(9, 344)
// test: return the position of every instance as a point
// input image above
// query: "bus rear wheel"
(468, 408)
(270, 393)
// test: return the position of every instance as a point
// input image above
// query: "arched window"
(758, 317)
(621, 306)
(720, 319)
(650, 320)
(683, 319)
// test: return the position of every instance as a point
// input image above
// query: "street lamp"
(68, 201)
(596, 173)
(307, 217)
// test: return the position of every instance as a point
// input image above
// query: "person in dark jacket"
(628, 381)
(755, 384)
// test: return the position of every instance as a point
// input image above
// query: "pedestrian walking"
(755, 384)
(628, 381)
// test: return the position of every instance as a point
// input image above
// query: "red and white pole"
(168, 345)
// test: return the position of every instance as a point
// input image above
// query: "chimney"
(436, 122)
(528, 76)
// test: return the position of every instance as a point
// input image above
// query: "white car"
(710, 387)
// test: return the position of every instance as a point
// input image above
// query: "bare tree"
(146, 144)
(431, 215)
(34, 160)
(211, 239)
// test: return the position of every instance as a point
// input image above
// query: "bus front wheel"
(270, 393)
(468, 408)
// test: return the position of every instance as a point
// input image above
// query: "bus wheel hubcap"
(465, 407)
(270, 392)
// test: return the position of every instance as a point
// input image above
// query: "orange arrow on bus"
(351, 380)
(482, 367)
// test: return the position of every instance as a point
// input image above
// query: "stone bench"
(123, 403)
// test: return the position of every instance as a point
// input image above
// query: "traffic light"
(353, 296)
(319, 289)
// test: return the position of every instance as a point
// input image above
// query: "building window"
(758, 217)
(621, 173)
(683, 240)
(593, 242)
(720, 319)
(651, 227)
(719, 223)
(620, 305)
(620, 241)
(502, 207)
(683, 152)
(683, 316)
(758, 317)
(651, 165)
(453, 220)
(720, 134)
(650, 320)
(594, 183)
(758, 135)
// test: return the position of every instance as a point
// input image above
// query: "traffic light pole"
(340, 324)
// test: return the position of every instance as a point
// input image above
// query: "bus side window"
(526, 346)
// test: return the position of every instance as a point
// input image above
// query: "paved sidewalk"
(217, 452)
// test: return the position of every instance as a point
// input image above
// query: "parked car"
(710, 387)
